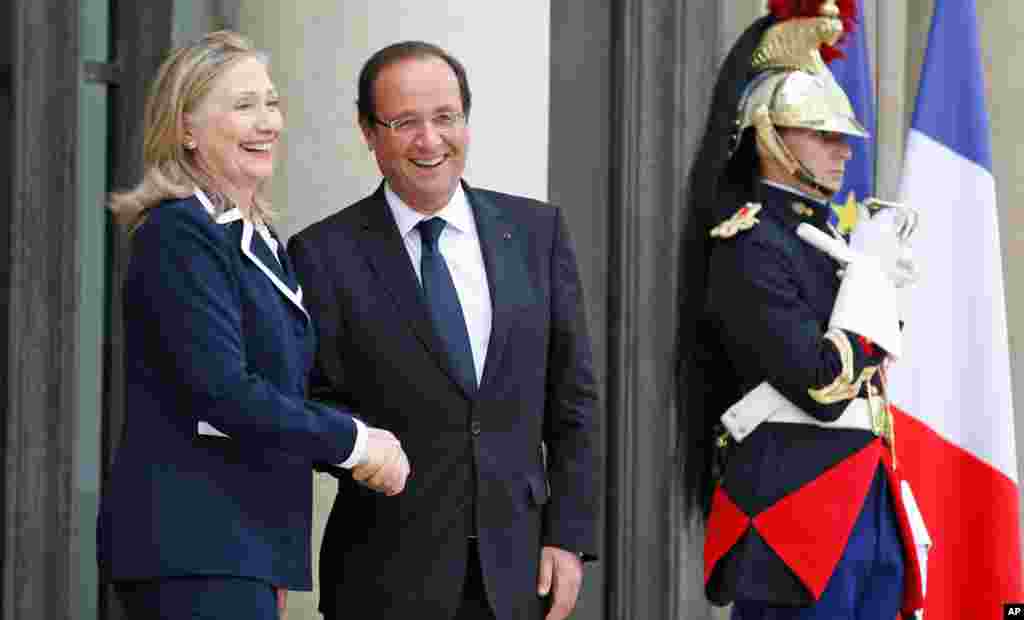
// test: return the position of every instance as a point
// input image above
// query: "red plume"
(786, 9)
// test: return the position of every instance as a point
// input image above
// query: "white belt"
(766, 404)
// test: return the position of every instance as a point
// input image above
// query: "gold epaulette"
(744, 219)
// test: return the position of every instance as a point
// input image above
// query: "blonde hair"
(184, 79)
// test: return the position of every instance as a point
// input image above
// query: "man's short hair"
(398, 52)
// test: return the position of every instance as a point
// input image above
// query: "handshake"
(385, 466)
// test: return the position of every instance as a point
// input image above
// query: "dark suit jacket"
(210, 336)
(405, 556)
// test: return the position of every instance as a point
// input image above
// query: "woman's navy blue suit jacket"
(215, 332)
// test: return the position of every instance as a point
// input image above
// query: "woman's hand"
(282, 603)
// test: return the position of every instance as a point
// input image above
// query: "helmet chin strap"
(805, 177)
(770, 139)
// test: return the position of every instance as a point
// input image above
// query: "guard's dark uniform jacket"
(791, 494)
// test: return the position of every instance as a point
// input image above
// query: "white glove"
(829, 245)
(867, 303)
(904, 271)
(886, 235)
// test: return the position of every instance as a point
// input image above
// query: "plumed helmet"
(793, 86)
(799, 99)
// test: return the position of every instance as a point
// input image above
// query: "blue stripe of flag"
(950, 106)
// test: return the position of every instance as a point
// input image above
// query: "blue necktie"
(443, 302)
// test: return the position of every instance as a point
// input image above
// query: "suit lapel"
(498, 245)
(256, 250)
(385, 250)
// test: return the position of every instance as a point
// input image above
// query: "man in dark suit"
(453, 317)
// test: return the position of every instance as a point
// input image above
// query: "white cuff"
(867, 305)
(359, 450)
(205, 428)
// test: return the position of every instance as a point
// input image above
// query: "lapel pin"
(508, 235)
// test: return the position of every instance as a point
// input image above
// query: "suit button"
(475, 427)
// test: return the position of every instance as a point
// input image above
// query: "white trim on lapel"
(229, 216)
(205, 201)
(293, 296)
(205, 428)
(246, 245)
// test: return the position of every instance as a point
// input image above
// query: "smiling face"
(422, 166)
(823, 153)
(235, 130)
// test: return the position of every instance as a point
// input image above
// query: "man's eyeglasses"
(413, 125)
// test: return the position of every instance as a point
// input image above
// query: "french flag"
(955, 444)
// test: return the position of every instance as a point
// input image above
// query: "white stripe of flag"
(955, 373)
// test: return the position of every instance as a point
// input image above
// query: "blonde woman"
(207, 510)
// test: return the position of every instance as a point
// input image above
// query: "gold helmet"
(794, 88)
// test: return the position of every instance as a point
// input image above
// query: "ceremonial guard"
(787, 433)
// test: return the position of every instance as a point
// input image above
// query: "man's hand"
(385, 467)
(561, 573)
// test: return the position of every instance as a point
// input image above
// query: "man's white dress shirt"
(459, 243)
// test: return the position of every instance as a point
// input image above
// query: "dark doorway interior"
(6, 154)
